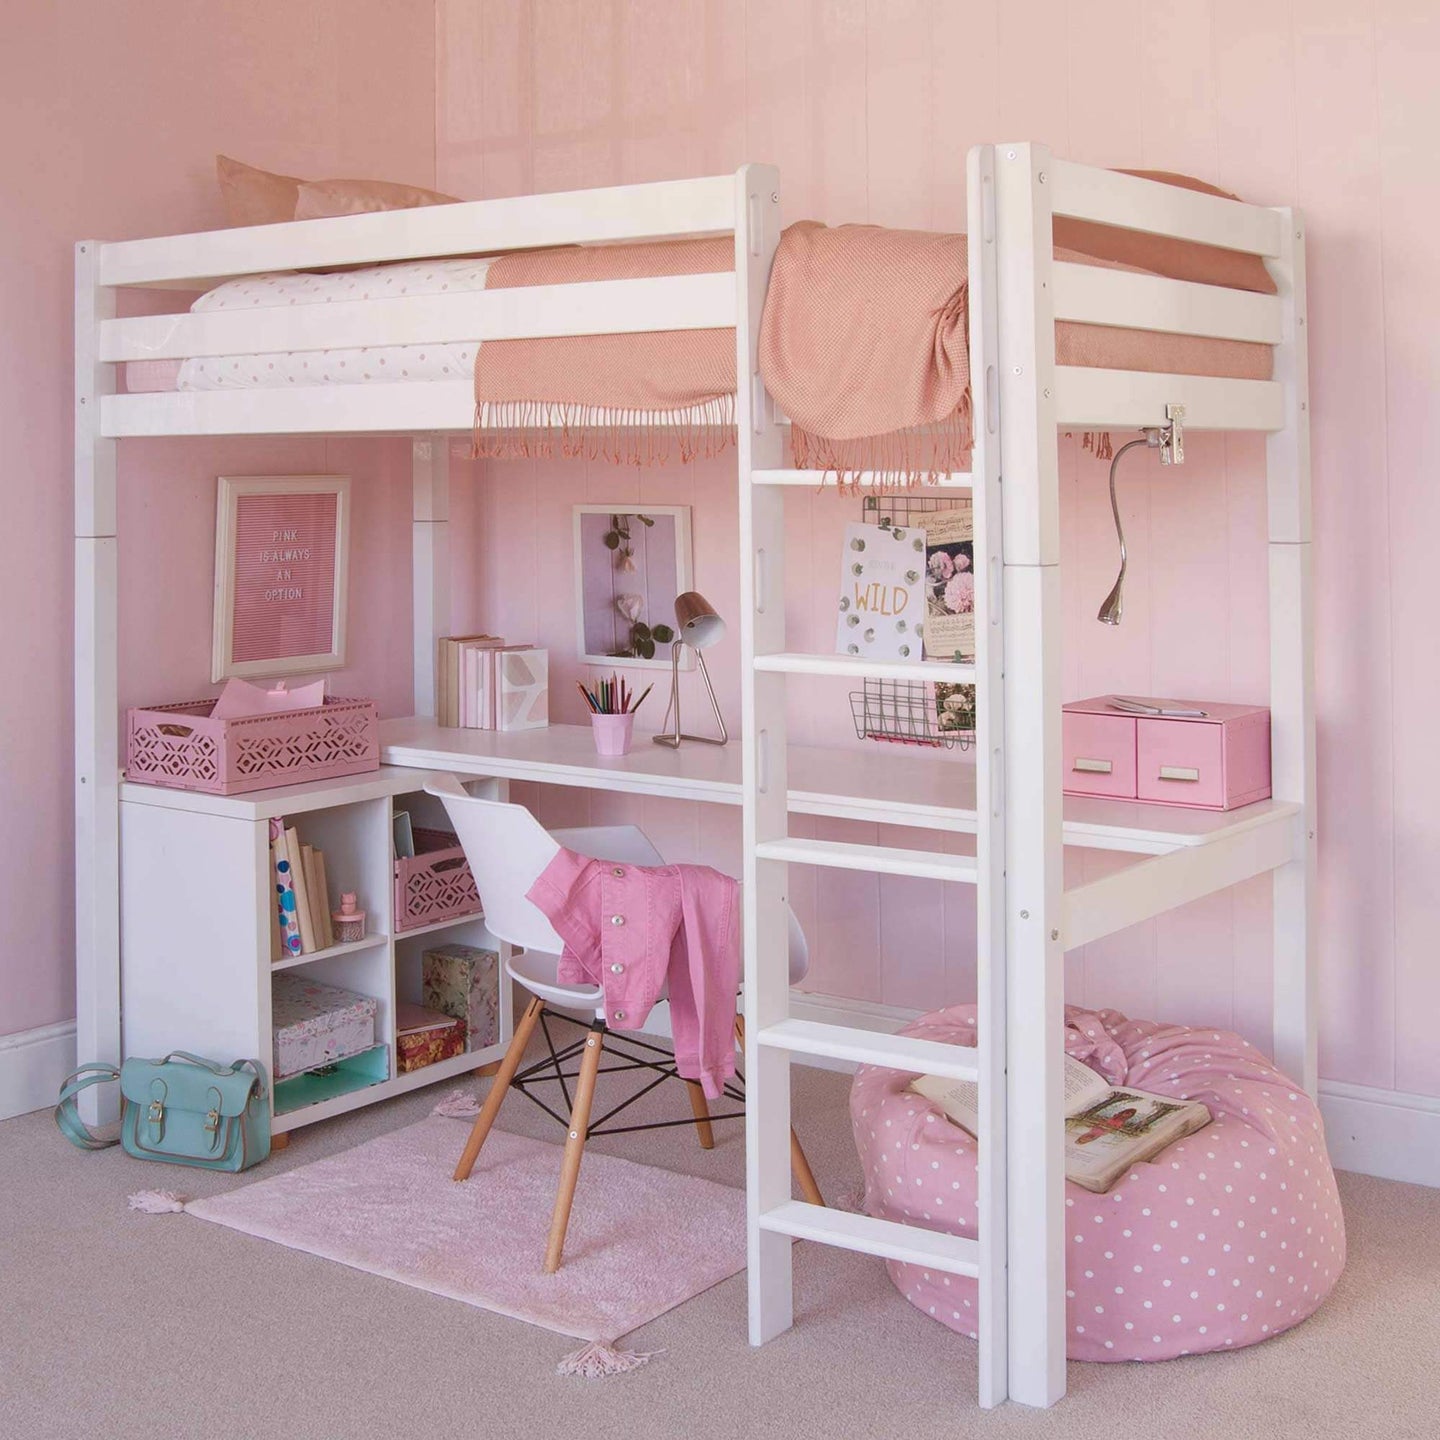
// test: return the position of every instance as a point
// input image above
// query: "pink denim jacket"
(633, 928)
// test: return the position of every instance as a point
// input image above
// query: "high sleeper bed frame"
(1026, 917)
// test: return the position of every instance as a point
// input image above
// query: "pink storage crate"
(435, 883)
(182, 747)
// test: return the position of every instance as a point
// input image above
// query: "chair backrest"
(507, 848)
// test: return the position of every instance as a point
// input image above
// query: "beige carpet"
(122, 1326)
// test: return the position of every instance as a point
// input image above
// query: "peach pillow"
(321, 199)
(1163, 254)
(257, 197)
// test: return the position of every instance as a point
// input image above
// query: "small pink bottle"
(349, 922)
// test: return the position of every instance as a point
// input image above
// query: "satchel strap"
(67, 1112)
(215, 1068)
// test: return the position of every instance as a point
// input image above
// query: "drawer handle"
(1093, 767)
(1179, 772)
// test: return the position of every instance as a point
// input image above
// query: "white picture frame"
(281, 575)
(661, 554)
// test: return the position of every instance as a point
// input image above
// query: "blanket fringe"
(458, 1105)
(157, 1202)
(899, 460)
(544, 429)
(597, 1362)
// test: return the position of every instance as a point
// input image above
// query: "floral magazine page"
(950, 583)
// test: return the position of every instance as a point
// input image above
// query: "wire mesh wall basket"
(912, 712)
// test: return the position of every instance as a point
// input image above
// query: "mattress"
(1103, 346)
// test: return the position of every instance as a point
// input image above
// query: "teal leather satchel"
(182, 1109)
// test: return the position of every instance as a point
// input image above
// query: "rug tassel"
(157, 1202)
(597, 1362)
(457, 1105)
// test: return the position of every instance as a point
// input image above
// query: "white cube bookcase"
(196, 892)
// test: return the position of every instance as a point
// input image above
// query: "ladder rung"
(950, 480)
(863, 668)
(874, 859)
(907, 1243)
(873, 1047)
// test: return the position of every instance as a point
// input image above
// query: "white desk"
(878, 783)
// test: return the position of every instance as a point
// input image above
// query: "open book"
(1108, 1128)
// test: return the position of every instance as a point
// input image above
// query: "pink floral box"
(463, 982)
(316, 1024)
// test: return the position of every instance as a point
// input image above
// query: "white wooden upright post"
(430, 551)
(97, 704)
(1292, 669)
(1034, 957)
(989, 784)
(765, 787)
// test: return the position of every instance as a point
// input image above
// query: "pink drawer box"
(1216, 762)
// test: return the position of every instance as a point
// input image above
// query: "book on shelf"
(319, 900)
(287, 917)
(478, 687)
(522, 690)
(295, 854)
(327, 906)
(1108, 1128)
(449, 675)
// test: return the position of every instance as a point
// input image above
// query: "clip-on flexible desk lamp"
(699, 627)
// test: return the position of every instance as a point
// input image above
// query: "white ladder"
(773, 1038)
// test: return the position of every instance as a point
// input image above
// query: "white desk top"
(881, 784)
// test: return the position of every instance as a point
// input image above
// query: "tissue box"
(316, 1024)
(464, 983)
(1216, 762)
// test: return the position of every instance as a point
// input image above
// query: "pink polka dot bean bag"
(1228, 1237)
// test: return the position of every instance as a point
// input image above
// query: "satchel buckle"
(157, 1112)
(212, 1121)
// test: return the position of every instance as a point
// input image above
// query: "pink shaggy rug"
(641, 1240)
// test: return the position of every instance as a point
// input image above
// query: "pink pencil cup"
(612, 733)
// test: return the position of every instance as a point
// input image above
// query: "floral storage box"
(464, 982)
(423, 1037)
(316, 1024)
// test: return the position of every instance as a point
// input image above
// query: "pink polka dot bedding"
(1226, 1238)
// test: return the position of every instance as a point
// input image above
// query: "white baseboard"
(1382, 1132)
(32, 1066)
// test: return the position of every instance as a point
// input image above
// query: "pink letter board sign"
(280, 581)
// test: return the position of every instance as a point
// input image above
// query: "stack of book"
(300, 920)
(481, 683)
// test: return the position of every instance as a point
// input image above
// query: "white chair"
(507, 848)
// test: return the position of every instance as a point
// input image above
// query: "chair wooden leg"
(574, 1147)
(493, 1101)
(804, 1175)
(701, 1111)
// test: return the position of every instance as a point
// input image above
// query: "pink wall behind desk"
(868, 110)
(110, 117)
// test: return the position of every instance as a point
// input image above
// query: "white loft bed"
(1011, 799)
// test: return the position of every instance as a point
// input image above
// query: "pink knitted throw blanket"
(864, 345)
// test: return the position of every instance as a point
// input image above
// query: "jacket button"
(618, 872)
(617, 919)
(617, 969)
(619, 1014)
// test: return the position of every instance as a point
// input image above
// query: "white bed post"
(765, 788)
(1292, 669)
(430, 551)
(990, 768)
(97, 704)
(1034, 955)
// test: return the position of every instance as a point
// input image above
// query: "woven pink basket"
(181, 746)
(435, 883)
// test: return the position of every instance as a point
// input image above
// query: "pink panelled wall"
(868, 109)
(111, 116)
